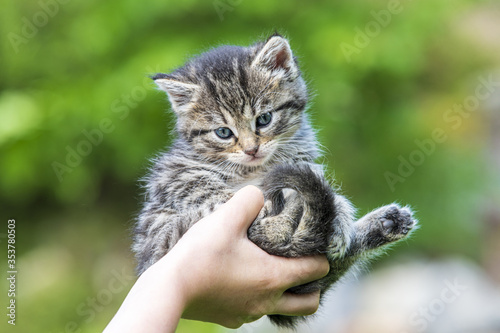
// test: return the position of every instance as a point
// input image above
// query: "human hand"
(229, 280)
(216, 274)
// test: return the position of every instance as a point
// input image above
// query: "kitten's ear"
(179, 93)
(276, 56)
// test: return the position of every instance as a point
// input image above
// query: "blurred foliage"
(74, 78)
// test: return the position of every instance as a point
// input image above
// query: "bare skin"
(216, 274)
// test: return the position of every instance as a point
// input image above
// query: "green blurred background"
(74, 79)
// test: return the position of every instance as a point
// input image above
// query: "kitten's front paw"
(396, 222)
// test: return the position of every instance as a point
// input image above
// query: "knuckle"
(319, 267)
(256, 309)
(311, 309)
(325, 267)
(255, 313)
(313, 305)
(272, 280)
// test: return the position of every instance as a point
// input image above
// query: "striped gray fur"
(256, 97)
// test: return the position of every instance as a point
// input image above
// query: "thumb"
(243, 207)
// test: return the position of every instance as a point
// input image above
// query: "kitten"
(241, 120)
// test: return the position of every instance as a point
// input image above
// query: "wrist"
(154, 304)
(169, 288)
(187, 281)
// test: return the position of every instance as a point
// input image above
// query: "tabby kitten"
(241, 120)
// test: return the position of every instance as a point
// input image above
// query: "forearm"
(154, 304)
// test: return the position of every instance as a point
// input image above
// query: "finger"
(297, 304)
(297, 271)
(243, 207)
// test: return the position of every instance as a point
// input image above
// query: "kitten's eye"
(224, 133)
(264, 119)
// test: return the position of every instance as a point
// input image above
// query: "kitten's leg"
(372, 232)
(272, 231)
(382, 226)
(338, 245)
(296, 219)
(339, 248)
(302, 215)
(361, 239)
(343, 229)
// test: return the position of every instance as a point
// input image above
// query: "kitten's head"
(238, 104)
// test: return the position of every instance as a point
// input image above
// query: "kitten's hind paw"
(385, 225)
(395, 222)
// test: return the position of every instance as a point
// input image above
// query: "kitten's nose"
(251, 151)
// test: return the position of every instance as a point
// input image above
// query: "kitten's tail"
(313, 223)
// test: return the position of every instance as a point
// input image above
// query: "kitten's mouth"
(254, 160)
